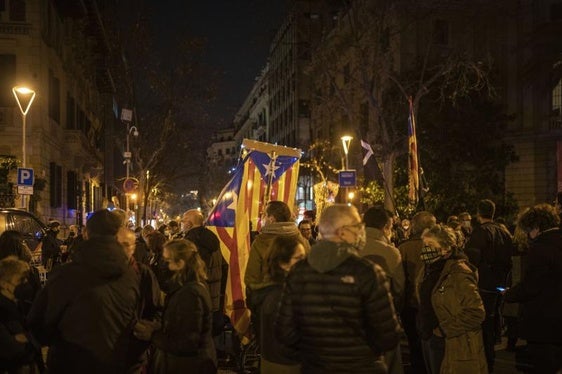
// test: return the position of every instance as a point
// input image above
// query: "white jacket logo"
(350, 279)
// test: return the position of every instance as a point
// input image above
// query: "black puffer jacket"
(336, 310)
(86, 311)
(208, 246)
(540, 291)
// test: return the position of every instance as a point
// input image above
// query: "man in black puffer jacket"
(336, 308)
(86, 312)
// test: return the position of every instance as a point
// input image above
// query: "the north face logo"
(349, 279)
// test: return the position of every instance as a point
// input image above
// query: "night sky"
(239, 33)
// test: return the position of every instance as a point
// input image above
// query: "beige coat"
(459, 309)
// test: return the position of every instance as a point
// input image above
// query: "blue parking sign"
(347, 178)
(25, 177)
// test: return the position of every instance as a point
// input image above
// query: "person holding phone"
(540, 290)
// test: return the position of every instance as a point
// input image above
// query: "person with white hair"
(336, 308)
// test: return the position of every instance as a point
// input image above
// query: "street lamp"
(24, 97)
(346, 140)
(127, 155)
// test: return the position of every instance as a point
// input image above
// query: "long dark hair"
(194, 269)
(281, 251)
(155, 242)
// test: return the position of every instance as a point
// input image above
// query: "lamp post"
(127, 155)
(24, 97)
(346, 141)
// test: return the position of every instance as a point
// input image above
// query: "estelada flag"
(267, 172)
(413, 165)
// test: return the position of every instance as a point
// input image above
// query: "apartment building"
(61, 50)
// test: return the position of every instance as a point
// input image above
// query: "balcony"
(555, 123)
(15, 28)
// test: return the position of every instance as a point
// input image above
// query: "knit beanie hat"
(103, 222)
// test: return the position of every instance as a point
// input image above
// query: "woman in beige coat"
(457, 304)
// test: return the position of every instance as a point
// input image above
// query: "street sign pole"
(25, 184)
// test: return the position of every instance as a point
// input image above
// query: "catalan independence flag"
(413, 165)
(267, 172)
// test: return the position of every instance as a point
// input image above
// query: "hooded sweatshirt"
(86, 310)
(256, 275)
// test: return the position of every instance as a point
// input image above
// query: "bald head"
(192, 218)
(336, 216)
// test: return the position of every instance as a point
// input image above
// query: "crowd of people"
(333, 296)
(449, 287)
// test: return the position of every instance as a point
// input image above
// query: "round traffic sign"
(130, 184)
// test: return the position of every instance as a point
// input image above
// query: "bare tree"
(169, 90)
(384, 52)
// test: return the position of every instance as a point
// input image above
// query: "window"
(70, 112)
(17, 10)
(72, 190)
(54, 97)
(441, 32)
(55, 183)
(7, 80)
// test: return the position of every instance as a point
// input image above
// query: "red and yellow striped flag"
(413, 165)
(268, 172)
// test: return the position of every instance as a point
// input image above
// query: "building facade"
(61, 50)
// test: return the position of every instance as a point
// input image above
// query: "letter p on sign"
(25, 177)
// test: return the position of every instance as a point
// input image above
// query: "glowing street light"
(24, 97)
(346, 141)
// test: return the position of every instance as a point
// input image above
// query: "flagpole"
(273, 158)
(413, 159)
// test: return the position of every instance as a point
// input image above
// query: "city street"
(505, 361)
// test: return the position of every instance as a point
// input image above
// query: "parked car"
(30, 226)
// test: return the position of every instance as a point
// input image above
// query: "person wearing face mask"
(12, 244)
(451, 310)
(277, 221)
(380, 250)
(18, 351)
(276, 358)
(50, 246)
(336, 309)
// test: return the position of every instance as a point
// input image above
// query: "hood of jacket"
(104, 255)
(280, 228)
(326, 255)
(375, 234)
(205, 240)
